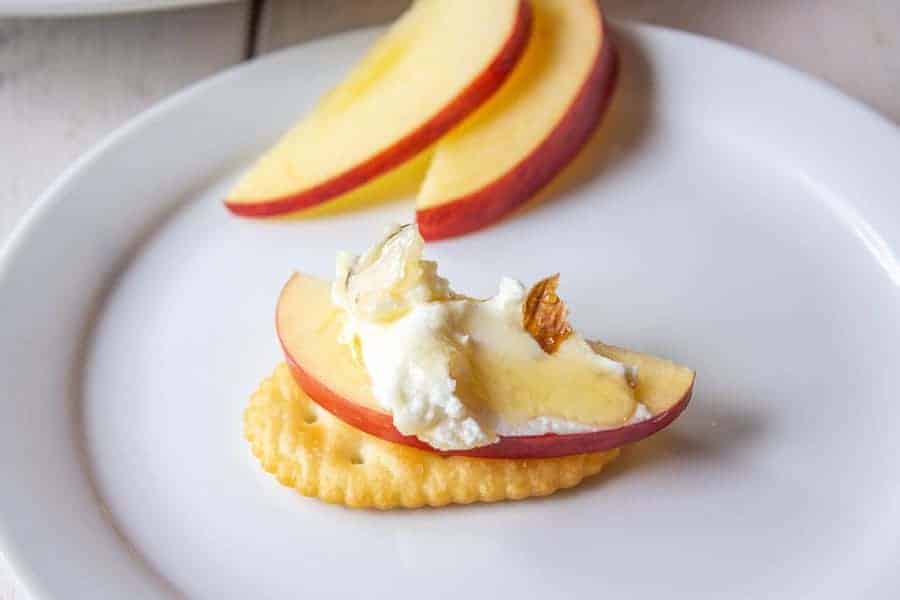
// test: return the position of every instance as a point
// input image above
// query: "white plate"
(736, 216)
(60, 8)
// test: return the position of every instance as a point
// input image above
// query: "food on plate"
(390, 348)
(309, 449)
(392, 351)
(515, 143)
(434, 66)
(502, 93)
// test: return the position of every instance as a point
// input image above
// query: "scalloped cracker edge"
(310, 450)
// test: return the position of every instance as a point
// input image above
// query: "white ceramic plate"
(60, 8)
(735, 215)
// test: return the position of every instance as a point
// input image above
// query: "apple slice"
(529, 130)
(440, 61)
(325, 369)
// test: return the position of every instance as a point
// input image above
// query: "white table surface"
(65, 83)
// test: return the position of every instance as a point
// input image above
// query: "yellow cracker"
(309, 449)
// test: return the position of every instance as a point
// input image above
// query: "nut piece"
(544, 315)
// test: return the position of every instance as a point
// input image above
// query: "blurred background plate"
(59, 8)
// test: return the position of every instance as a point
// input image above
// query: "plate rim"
(27, 575)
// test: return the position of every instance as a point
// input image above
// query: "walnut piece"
(544, 315)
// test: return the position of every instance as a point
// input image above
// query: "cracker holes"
(356, 458)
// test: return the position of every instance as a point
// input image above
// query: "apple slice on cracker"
(399, 391)
(327, 370)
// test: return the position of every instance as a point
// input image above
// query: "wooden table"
(65, 83)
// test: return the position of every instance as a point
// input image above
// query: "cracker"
(310, 450)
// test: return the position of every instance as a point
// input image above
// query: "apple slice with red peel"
(437, 63)
(515, 143)
(308, 329)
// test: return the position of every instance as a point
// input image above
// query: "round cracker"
(309, 449)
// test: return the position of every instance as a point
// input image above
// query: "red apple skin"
(548, 445)
(402, 150)
(490, 203)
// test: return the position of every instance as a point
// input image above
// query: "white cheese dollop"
(409, 329)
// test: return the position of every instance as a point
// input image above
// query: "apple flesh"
(515, 143)
(325, 369)
(438, 63)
